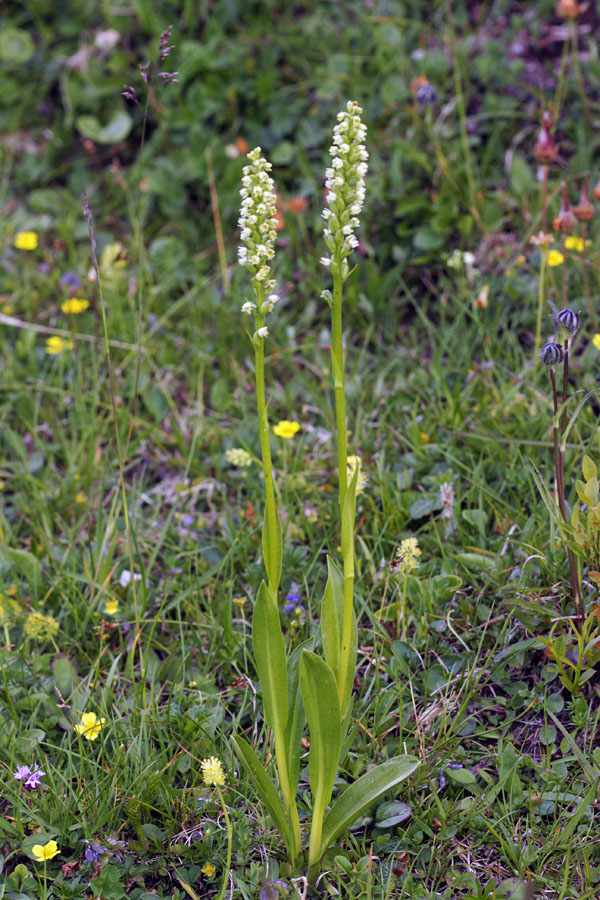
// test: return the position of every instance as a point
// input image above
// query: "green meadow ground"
(442, 388)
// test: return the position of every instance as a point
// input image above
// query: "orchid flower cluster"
(304, 687)
(258, 232)
(345, 183)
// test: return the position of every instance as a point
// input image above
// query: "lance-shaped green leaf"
(271, 547)
(269, 656)
(360, 795)
(296, 718)
(265, 790)
(319, 693)
(332, 611)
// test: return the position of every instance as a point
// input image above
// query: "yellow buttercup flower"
(56, 345)
(80, 497)
(26, 240)
(208, 869)
(45, 851)
(596, 341)
(574, 243)
(212, 771)
(555, 258)
(74, 305)
(90, 726)
(285, 429)
(112, 607)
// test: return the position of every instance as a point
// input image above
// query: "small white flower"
(261, 332)
(326, 261)
(125, 577)
(248, 307)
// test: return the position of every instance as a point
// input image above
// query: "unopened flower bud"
(596, 191)
(551, 354)
(569, 320)
(565, 220)
(545, 151)
(584, 209)
(426, 95)
(568, 9)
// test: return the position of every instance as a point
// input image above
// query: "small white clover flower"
(345, 182)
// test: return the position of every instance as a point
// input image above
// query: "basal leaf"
(265, 790)
(360, 795)
(269, 656)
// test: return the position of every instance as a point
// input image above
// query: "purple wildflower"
(294, 603)
(70, 279)
(35, 779)
(169, 77)
(164, 41)
(129, 93)
(94, 852)
(144, 69)
(31, 777)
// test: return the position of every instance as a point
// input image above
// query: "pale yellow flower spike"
(212, 771)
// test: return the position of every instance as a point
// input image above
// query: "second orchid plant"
(305, 687)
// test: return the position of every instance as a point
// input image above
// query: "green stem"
(271, 515)
(221, 893)
(314, 847)
(337, 361)
(347, 520)
(538, 327)
(286, 790)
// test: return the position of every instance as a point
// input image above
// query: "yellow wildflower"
(80, 497)
(40, 627)
(114, 256)
(596, 341)
(56, 345)
(407, 556)
(208, 869)
(574, 243)
(43, 852)
(555, 258)
(212, 771)
(90, 726)
(74, 305)
(112, 607)
(286, 429)
(26, 240)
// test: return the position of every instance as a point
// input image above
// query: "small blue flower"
(70, 279)
(294, 603)
(94, 852)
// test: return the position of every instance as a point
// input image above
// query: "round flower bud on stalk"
(545, 151)
(565, 221)
(584, 209)
(345, 182)
(569, 320)
(551, 354)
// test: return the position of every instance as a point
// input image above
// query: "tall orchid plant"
(305, 687)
